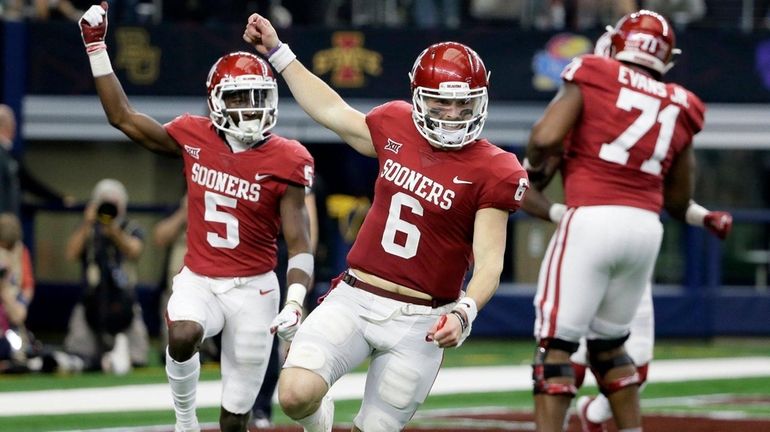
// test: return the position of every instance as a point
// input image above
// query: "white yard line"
(449, 381)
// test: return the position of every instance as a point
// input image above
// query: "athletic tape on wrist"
(302, 261)
(695, 214)
(467, 305)
(296, 293)
(281, 57)
(556, 212)
(100, 62)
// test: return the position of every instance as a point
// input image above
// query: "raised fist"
(718, 223)
(93, 27)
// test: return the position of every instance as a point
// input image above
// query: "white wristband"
(302, 261)
(282, 57)
(468, 305)
(296, 293)
(695, 214)
(100, 63)
(556, 212)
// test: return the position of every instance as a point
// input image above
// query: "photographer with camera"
(106, 328)
(17, 287)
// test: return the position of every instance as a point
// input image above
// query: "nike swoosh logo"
(266, 292)
(258, 177)
(458, 181)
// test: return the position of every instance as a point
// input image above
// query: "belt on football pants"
(358, 283)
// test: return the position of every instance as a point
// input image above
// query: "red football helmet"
(449, 72)
(644, 38)
(243, 96)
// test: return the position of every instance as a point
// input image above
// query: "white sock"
(183, 379)
(316, 422)
(599, 410)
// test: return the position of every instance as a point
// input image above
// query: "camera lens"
(106, 212)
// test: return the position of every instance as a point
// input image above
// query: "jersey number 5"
(213, 214)
(617, 150)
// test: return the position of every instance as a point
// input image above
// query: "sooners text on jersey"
(234, 199)
(632, 127)
(419, 231)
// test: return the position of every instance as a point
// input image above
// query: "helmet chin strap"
(245, 139)
(251, 128)
(450, 136)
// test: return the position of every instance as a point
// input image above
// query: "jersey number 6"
(395, 224)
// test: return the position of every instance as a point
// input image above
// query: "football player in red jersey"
(625, 143)
(244, 184)
(441, 204)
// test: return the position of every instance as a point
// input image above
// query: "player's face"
(241, 100)
(450, 109)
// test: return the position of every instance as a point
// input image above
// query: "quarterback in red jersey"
(244, 184)
(441, 204)
(624, 142)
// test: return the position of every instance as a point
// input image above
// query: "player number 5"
(213, 214)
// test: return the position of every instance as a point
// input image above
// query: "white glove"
(287, 321)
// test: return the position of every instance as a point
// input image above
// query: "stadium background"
(702, 289)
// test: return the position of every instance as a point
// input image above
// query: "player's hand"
(260, 33)
(718, 223)
(287, 321)
(447, 332)
(93, 27)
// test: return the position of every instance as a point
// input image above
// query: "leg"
(618, 380)
(81, 341)
(401, 373)
(301, 395)
(262, 411)
(593, 411)
(328, 344)
(246, 345)
(554, 383)
(183, 371)
(192, 314)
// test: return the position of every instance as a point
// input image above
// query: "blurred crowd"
(544, 15)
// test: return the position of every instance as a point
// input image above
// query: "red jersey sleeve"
(293, 162)
(586, 70)
(505, 186)
(696, 110)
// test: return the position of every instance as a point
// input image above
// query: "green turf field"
(661, 397)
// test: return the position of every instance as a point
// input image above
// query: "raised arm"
(318, 100)
(137, 126)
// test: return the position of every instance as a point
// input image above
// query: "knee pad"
(642, 371)
(251, 348)
(398, 385)
(542, 371)
(580, 374)
(601, 367)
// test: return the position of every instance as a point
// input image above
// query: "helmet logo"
(646, 42)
